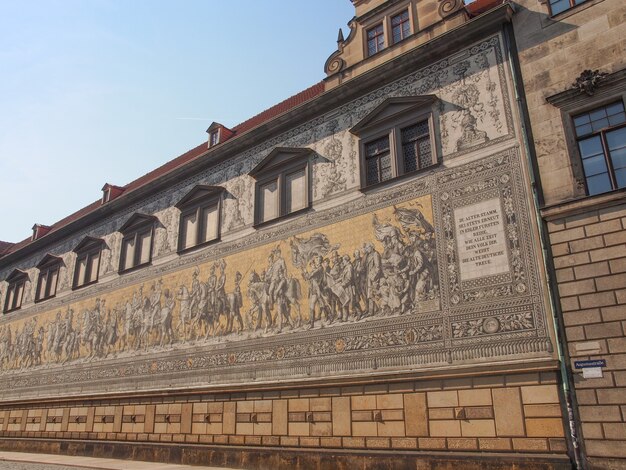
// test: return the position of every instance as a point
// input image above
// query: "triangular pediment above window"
(49, 260)
(392, 109)
(16, 275)
(88, 243)
(199, 193)
(137, 220)
(279, 157)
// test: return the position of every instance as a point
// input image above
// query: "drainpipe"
(570, 408)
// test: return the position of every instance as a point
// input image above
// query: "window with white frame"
(282, 184)
(88, 254)
(199, 217)
(15, 290)
(138, 234)
(49, 269)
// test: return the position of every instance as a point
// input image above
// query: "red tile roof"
(481, 6)
(5, 247)
(263, 117)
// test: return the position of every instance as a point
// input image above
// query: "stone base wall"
(590, 258)
(504, 413)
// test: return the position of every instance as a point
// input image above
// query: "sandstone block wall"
(590, 259)
(503, 413)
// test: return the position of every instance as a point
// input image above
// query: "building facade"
(354, 277)
(573, 65)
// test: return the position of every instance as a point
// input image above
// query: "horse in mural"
(90, 332)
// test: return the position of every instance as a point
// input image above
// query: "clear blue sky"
(96, 91)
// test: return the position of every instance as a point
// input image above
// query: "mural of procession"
(314, 280)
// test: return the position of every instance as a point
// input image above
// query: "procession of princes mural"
(309, 282)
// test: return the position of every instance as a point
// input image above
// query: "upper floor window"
(283, 184)
(49, 268)
(601, 138)
(214, 138)
(138, 233)
(396, 139)
(559, 6)
(15, 290)
(375, 39)
(88, 254)
(199, 217)
(400, 26)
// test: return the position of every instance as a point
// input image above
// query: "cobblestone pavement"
(25, 461)
(8, 465)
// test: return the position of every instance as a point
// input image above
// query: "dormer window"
(397, 138)
(214, 138)
(88, 254)
(39, 231)
(199, 217)
(49, 268)
(138, 234)
(15, 290)
(218, 134)
(375, 39)
(283, 184)
(110, 192)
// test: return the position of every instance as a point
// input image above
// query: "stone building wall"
(590, 260)
(495, 413)
(586, 233)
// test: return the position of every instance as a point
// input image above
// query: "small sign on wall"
(591, 369)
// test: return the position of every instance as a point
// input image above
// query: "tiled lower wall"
(519, 413)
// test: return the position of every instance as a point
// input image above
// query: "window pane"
(295, 185)
(52, 282)
(129, 253)
(43, 281)
(616, 119)
(590, 147)
(19, 291)
(425, 152)
(594, 165)
(94, 261)
(376, 147)
(81, 270)
(372, 176)
(385, 167)
(583, 130)
(10, 298)
(144, 241)
(268, 194)
(620, 177)
(616, 141)
(599, 184)
(600, 124)
(209, 223)
(615, 108)
(189, 230)
(582, 119)
(559, 6)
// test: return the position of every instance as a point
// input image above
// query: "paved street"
(24, 461)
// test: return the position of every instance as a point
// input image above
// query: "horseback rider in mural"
(391, 280)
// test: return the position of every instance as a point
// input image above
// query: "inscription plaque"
(481, 240)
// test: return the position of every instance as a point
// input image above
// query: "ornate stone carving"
(447, 7)
(588, 81)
